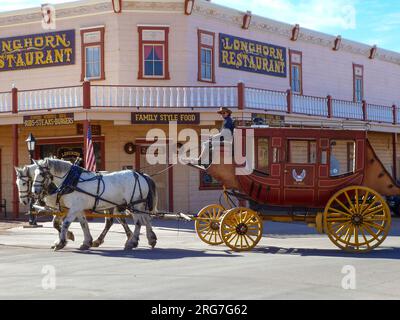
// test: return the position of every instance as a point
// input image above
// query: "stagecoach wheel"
(241, 229)
(208, 222)
(357, 219)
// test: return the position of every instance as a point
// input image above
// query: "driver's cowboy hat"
(224, 110)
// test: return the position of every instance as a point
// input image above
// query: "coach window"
(92, 53)
(342, 159)
(296, 71)
(153, 53)
(358, 76)
(262, 159)
(302, 151)
(206, 41)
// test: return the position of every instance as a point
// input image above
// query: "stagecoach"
(329, 178)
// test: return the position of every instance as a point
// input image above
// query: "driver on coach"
(226, 135)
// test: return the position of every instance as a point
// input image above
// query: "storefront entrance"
(160, 174)
(69, 149)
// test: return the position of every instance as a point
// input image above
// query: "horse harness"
(73, 177)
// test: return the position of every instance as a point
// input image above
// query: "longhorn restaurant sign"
(252, 56)
(37, 50)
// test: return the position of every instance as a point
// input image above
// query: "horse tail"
(152, 197)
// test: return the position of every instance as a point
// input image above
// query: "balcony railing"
(5, 102)
(377, 113)
(235, 97)
(163, 97)
(313, 106)
(347, 109)
(51, 98)
(266, 100)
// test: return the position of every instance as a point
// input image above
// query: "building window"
(92, 47)
(296, 71)
(358, 75)
(206, 69)
(153, 53)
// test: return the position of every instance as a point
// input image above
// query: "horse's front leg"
(128, 231)
(100, 240)
(151, 236)
(88, 240)
(62, 242)
(57, 225)
(133, 241)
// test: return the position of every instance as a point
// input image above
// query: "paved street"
(291, 261)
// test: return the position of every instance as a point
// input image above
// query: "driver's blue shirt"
(228, 124)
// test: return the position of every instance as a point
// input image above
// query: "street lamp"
(31, 145)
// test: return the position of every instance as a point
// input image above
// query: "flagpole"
(86, 123)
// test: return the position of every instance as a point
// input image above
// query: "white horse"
(24, 181)
(102, 192)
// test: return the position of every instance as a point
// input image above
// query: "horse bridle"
(46, 175)
(27, 193)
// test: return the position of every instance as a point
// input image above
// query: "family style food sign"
(165, 118)
(252, 56)
(37, 50)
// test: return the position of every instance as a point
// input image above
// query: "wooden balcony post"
(289, 101)
(394, 141)
(15, 160)
(241, 96)
(394, 114)
(329, 97)
(14, 99)
(364, 109)
(86, 95)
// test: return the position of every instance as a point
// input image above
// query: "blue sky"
(367, 21)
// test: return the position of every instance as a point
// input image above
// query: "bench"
(3, 206)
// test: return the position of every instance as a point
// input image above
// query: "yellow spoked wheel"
(207, 224)
(241, 229)
(357, 219)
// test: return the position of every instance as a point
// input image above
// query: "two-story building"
(124, 66)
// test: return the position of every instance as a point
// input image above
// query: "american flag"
(90, 160)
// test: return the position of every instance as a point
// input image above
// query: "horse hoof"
(60, 245)
(128, 248)
(97, 243)
(70, 236)
(153, 244)
(84, 247)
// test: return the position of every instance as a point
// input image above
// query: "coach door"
(299, 177)
(159, 173)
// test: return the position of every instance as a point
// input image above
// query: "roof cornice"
(262, 24)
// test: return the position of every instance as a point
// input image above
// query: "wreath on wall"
(129, 148)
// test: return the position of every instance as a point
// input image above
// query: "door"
(158, 172)
(299, 178)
